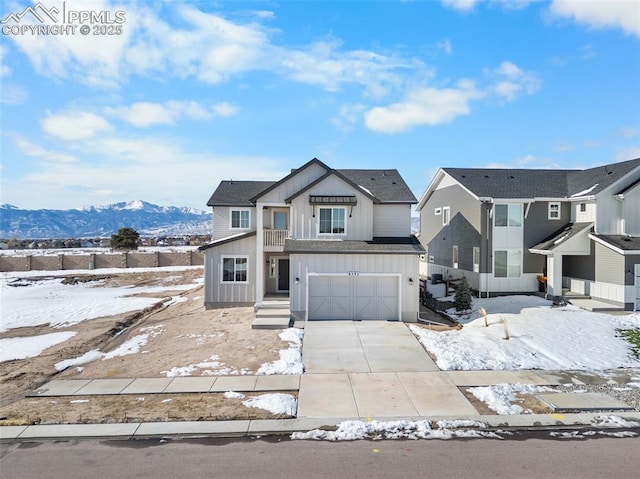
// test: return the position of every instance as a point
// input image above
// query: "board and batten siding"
(609, 266)
(218, 293)
(404, 264)
(293, 184)
(359, 225)
(391, 220)
(631, 211)
(222, 221)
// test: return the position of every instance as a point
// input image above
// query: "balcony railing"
(274, 239)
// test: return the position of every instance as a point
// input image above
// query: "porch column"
(259, 255)
(554, 274)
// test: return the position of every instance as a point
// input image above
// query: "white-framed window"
(554, 211)
(437, 211)
(583, 207)
(332, 221)
(509, 215)
(446, 213)
(431, 259)
(235, 269)
(476, 260)
(455, 256)
(240, 219)
(507, 263)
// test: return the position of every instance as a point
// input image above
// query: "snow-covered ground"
(86, 251)
(48, 301)
(541, 337)
(290, 361)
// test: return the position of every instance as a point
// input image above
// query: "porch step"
(275, 304)
(271, 322)
(270, 313)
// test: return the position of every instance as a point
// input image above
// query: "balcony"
(274, 240)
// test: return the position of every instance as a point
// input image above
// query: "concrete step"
(269, 322)
(275, 304)
(273, 312)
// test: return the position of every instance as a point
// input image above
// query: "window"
(583, 207)
(437, 211)
(240, 219)
(446, 212)
(476, 260)
(507, 264)
(455, 256)
(332, 221)
(554, 211)
(507, 215)
(280, 220)
(234, 269)
(272, 267)
(431, 259)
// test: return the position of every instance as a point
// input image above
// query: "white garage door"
(353, 297)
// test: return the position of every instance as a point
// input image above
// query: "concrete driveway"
(362, 347)
(372, 369)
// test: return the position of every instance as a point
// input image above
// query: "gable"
(295, 181)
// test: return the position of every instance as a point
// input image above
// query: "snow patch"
(30, 346)
(276, 403)
(500, 396)
(290, 361)
(233, 395)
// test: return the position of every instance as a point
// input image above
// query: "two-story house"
(337, 241)
(505, 229)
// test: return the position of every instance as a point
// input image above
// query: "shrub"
(462, 300)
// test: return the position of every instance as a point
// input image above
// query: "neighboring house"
(503, 228)
(337, 242)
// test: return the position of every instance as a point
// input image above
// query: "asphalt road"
(526, 456)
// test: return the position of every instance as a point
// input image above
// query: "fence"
(100, 260)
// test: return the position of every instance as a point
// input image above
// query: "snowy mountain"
(102, 221)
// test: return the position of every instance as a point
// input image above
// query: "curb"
(250, 428)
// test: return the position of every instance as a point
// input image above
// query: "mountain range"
(102, 221)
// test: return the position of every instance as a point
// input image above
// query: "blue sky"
(191, 93)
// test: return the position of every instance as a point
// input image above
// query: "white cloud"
(347, 116)
(113, 169)
(511, 81)
(225, 109)
(208, 47)
(628, 153)
(146, 114)
(445, 45)
(12, 94)
(36, 151)
(460, 5)
(4, 69)
(74, 125)
(423, 106)
(623, 14)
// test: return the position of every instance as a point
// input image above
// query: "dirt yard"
(182, 338)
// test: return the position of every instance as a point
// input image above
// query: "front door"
(283, 274)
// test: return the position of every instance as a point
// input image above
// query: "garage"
(354, 297)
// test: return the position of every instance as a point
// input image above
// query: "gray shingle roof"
(399, 245)
(562, 236)
(237, 193)
(626, 243)
(521, 183)
(229, 239)
(386, 186)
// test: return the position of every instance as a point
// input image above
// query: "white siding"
(215, 291)
(588, 216)
(222, 221)
(295, 183)
(405, 265)
(391, 220)
(632, 211)
(359, 226)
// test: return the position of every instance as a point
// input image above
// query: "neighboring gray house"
(579, 230)
(337, 242)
